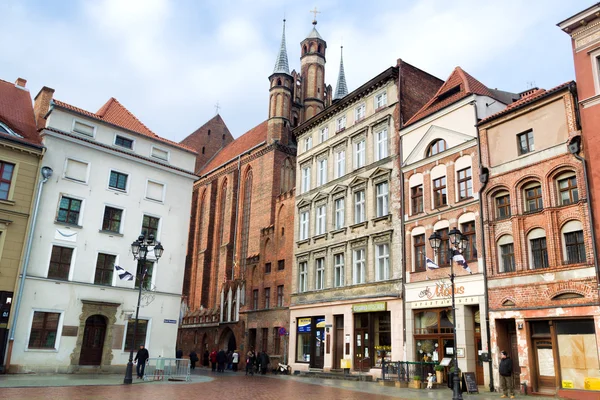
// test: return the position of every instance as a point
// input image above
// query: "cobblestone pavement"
(207, 385)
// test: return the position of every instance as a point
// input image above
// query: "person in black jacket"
(193, 359)
(506, 379)
(141, 357)
(221, 360)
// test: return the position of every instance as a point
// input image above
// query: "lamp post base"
(128, 374)
(456, 393)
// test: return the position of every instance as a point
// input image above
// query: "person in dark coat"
(193, 359)
(250, 359)
(141, 357)
(213, 360)
(179, 353)
(221, 360)
(264, 362)
(506, 379)
(205, 358)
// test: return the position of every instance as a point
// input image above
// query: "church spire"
(281, 64)
(341, 88)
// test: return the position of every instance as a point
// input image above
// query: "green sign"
(370, 307)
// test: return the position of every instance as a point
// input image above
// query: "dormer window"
(437, 146)
(123, 142)
(5, 129)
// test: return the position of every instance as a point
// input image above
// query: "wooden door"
(545, 368)
(479, 364)
(338, 346)
(318, 358)
(93, 341)
(362, 356)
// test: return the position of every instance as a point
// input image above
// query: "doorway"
(362, 356)
(318, 357)
(544, 363)
(93, 340)
(338, 346)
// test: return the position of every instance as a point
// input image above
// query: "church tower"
(312, 69)
(280, 97)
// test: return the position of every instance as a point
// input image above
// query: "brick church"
(239, 258)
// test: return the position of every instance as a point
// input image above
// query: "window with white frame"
(359, 154)
(382, 261)
(359, 207)
(69, 210)
(340, 163)
(321, 219)
(308, 143)
(304, 225)
(359, 112)
(44, 330)
(132, 343)
(382, 199)
(118, 181)
(506, 254)
(305, 179)
(338, 270)
(341, 123)
(380, 100)
(60, 263)
(122, 141)
(358, 270)
(381, 145)
(302, 277)
(319, 273)
(321, 172)
(574, 251)
(339, 213)
(323, 134)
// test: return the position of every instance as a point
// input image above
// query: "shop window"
(434, 338)
(303, 339)
(383, 338)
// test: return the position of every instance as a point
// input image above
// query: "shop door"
(93, 340)
(479, 364)
(544, 360)
(318, 357)
(338, 346)
(362, 356)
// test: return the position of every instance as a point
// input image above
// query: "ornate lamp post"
(458, 242)
(140, 249)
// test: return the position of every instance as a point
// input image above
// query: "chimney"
(41, 105)
(20, 82)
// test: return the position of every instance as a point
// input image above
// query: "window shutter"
(155, 191)
(76, 170)
(158, 153)
(85, 129)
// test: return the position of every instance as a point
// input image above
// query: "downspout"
(46, 174)
(483, 178)
(402, 230)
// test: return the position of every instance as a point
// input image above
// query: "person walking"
(213, 360)
(221, 360)
(193, 359)
(250, 357)
(205, 358)
(230, 360)
(506, 379)
(264, 362)
(141, 357)
(235, 359)
(178, 357)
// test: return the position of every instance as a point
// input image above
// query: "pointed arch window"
(246, 216)
(222, 205)
(437, 146)
(200, 220)
(287, 176)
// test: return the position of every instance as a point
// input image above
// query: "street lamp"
(140, 249)
(458, 242)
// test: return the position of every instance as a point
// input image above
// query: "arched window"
(225, 313)
(201, 211)
(202, 149)
(538, 250)
(209, 132)
(304, 49)
(568, 192)
(246, 216)
(502, 204)
(437, 146)
(222, 206)
(319, 48)
(532, 193)
(278, 82)
(573, 243)
(506, 254)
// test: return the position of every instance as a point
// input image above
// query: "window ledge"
(42, 350)
(154, 200)
(465, 199)
(67, 225)
(340, 130)
(110, 233)
(117, 190)
(537, 210)
(341, 230)
(387, 217)
(359, 225)
(8, 202)
(441, 207)
(303, 241)
(320, 236)
(75, 180)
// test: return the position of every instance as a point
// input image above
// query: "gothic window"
(287, 176)
(222, 205)
(200, 220)
(246, 216)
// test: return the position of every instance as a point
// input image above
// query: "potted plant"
(416, 382)
(439, 373)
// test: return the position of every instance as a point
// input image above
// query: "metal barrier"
(404, 371)
(172, 369)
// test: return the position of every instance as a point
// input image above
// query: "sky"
(171, 61)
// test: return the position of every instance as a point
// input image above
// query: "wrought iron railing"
(405, 371)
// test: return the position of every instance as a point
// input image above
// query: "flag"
(460, 260)
(430, 264)
(123, 275)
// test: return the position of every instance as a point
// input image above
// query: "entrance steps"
(335, 374)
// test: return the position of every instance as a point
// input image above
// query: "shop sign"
(440, 291)
(370, 307)
(321, 322)
(304, 324)
(444, 302)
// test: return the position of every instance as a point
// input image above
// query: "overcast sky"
(170, 62)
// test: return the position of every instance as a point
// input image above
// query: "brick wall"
(208, 140)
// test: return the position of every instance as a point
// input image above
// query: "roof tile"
(16, 111)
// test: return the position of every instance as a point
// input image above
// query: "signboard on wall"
(370, 307)
(469, 286)
(304, 324)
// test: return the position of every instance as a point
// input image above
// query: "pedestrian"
(221, 359)
(178, 357)
(230, 360)
(193, 359)
(250, 358)
(506, 379)
(141, 357)
(235, 359)
(205, 358)
(213, 360)
(264, 362)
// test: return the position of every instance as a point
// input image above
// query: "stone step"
(335, 375)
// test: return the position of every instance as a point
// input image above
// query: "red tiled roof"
(245, 142)
(16, 111)
(115, 113)
(467, 86)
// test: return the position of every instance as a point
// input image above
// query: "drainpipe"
(402, 229)
(483, 178)
(46, 174)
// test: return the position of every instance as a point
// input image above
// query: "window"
(155, 191)
(76, 170)
(568, 190)
(419, 245)
(160, 153)
(105, 265)
(265, 339)
(124, 142)
(525, 142)
(502, 206)
(308, 143)
(416, 199)
(148, 267)
(112, 219)
(276, 341)
(338, 270)
(150, 226)
(341, 124)
(440, 197)
(533, 198)
(359, 154)
(5, 129)
(321, 220)
(359, 207)
(280, 296)
(444, 251)
(267, 268)
(280, 265)
(246, 216)
(468, 230)
(382, 262)
(44, 330)
(465, 184)
(381, 145)
(267, 297)
(117, 181)
(359, 113)
(255, 299)
(321, 172)
(82, 128)
(539, 253)
(575, 247)
(303, 277)
(304, 225)
(340, 163)
(339, 213)
(6, 174)
(140, 334)
(323, 134)
(507, 257)
(437, 146)
(320, 273)
(380, 100)
(68, 210)
(358, 272)
(60, 263)
(382, 199)
(305, 179)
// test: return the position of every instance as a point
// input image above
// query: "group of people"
(257, 362)
(222, 360)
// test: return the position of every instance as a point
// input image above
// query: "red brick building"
(540, 259)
